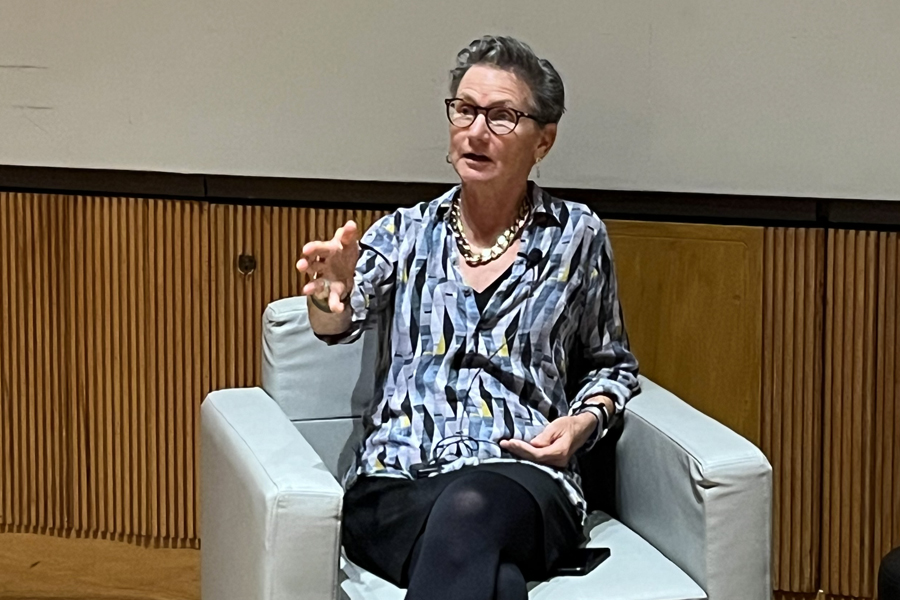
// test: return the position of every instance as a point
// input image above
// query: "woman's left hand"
(557, 443)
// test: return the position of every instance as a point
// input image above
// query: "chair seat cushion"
(635, 570)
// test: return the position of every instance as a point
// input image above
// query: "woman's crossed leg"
(483, 530)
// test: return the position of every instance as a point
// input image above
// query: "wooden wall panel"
(886, 526)
(118, 317)
(860, 389)
(274, 236)
(106, 366)
(781, 595)
(793, 313)
(692, 297)
(33, 404)
(137, 294)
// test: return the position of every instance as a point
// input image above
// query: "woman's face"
(483, 157)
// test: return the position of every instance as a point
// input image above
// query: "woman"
(496, 300)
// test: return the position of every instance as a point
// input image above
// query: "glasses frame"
(458, 441)
(481, 109)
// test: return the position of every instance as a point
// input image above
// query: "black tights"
(483, 527)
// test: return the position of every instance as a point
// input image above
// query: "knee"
(469, 500)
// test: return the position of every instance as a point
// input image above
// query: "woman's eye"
(503, 115)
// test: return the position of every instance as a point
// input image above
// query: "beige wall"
(756, 96)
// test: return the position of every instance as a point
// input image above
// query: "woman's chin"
(478, 175)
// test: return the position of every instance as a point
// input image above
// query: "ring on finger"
(325, 292)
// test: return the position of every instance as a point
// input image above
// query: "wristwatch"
(599, 411)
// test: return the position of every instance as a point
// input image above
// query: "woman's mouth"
(476, 157)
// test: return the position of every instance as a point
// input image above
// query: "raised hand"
(331, 265)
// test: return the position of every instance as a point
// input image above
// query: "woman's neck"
(487, 213)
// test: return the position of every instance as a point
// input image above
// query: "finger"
(528, 451)
(312, 251)
(558, 452)
(303, 265)
(310, 248)
(349, 233)
(334, 299)
(544, 438)
(521, 449)
(553, 455)
(316, 286)
(338, 234)
(313, 268)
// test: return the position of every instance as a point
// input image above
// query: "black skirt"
(384, 516)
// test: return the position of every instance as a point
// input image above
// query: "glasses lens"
(501, 119)
(461, 114)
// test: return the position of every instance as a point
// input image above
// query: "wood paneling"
(33, 378)
(860, 475)
(692, 297)
(104, 365)
(274, 237)
(886, 477)
(780, 595)
(118, 317)
(793, 313)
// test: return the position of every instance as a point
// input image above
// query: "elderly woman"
(505, 351)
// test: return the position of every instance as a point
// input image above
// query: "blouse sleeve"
(611, 368)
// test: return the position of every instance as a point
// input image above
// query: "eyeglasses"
(459, 445)
(500, 119)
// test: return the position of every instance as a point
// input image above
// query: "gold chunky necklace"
(496, 251)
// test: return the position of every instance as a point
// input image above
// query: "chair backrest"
(324, 390)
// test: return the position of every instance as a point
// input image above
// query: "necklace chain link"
(494, 252)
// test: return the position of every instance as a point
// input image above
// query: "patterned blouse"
(549, 338)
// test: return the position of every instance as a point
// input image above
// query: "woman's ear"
(548, 137)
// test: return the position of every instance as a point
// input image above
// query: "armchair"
(693, 498)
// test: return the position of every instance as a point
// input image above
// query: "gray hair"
(509, 54)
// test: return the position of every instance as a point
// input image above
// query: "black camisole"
(483, 297)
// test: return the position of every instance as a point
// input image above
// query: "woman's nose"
(479, 127)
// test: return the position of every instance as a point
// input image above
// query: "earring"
(537, 165)
(449, 162)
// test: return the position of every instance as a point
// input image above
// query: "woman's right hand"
(331, 265)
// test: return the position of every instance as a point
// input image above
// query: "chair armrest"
(270, 510)
(699, 492)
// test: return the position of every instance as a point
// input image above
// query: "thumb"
(544, 438)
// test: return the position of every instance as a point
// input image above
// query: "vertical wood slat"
(850, 404)
(793, 283)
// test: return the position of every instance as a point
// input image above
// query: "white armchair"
(693, 497)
